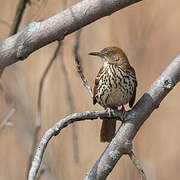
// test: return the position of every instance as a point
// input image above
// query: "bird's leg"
(123, 111)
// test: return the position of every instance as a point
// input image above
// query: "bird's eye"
(109, 53)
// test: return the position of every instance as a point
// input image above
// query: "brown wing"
(96, 86)
(132, 74)
(131, 102)
(95, 90)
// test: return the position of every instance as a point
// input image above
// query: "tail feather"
(108, 129)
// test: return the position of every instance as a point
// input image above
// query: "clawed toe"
(109, 111)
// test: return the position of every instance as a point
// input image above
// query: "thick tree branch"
(39, 34)
(122, 142)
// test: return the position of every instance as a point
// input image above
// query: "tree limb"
(122, 142)
(39, 34)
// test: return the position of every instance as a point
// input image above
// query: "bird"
(115, 86)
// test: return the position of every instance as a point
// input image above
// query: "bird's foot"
(109, 111)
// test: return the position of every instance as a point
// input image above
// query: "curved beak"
(96, 54)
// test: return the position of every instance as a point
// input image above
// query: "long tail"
(108, 129)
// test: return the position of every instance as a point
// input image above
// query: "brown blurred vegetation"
(149, 34)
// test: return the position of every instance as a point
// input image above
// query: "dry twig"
(78, 62)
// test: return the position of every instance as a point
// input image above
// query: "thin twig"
(18, 16)
(38, 115)
(78, 62)
(7, 118)
(137, 165)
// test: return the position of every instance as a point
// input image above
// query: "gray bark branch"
(39, 34)
(122, 142)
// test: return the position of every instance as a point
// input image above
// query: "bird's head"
(112, 55)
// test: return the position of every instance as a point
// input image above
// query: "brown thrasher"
(115, 85)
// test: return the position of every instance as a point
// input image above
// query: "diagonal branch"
(39, 34)
(122, 142)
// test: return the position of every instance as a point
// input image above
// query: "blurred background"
(149, 34)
